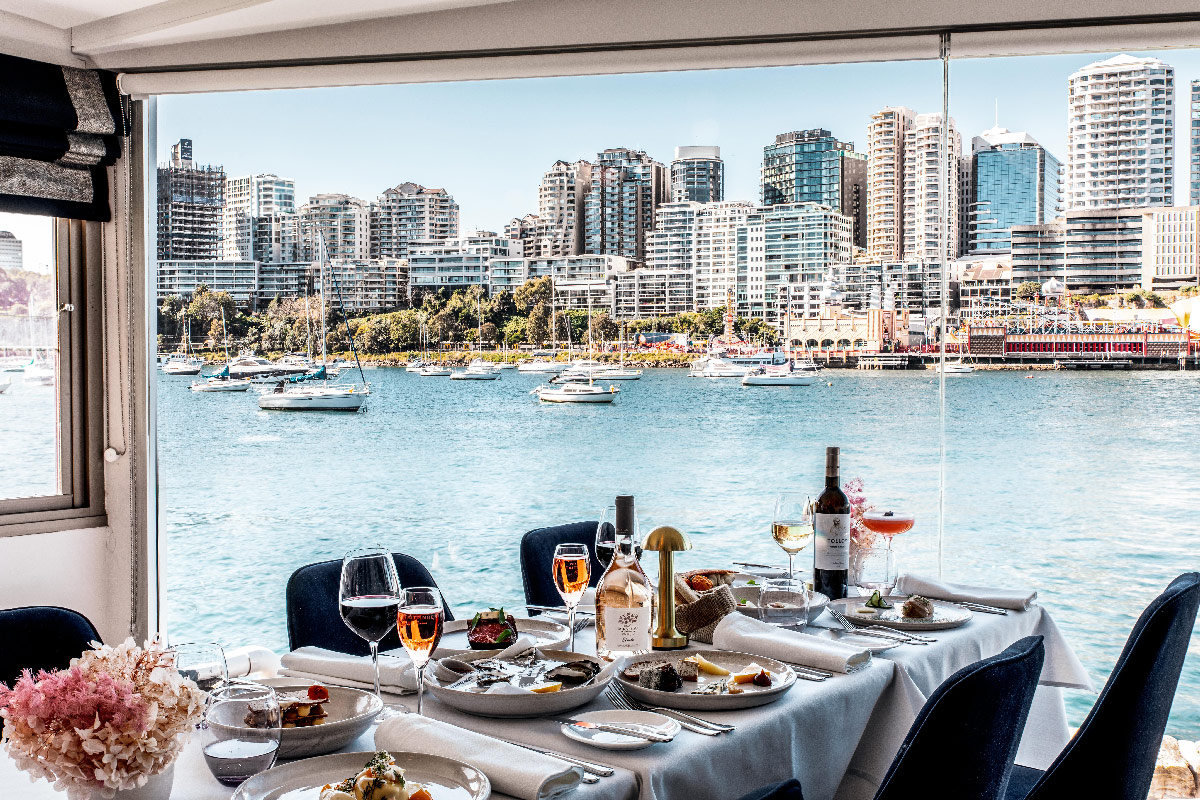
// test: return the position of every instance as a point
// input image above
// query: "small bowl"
(350, 714)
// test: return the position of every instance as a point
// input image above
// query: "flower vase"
(156, 787)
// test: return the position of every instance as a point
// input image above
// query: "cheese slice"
(704, 665)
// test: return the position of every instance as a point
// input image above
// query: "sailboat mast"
(324, 335)
(225, 331)
(553, 325)
(307, 327)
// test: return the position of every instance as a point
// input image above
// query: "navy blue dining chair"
(537, 559)
(1113, 753)
(965, 738)
(41, 637)
(314, 618)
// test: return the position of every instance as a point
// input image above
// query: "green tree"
(604, 328)
(514, 331)
(489, 332)
(537, 324)
(530, 293)
(1027, 290)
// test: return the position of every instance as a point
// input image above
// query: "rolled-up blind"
(60, 130)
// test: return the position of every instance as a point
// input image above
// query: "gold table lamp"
(667, 541)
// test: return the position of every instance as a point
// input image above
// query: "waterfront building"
(191, 201)
(814, 167)
(652, 292)
(697, 175)
(410, 212)
(527, 230)
(1194, 144)
(671, 244)
(627, 186)
(458, 262)
(247, 199)
(834, 328)
(777, 245)
(886, 136)
(715, 251)
(361, 287)
(1170, 251)
(345, 223)
(931, 210)
(558, 230)
(11, 252)
(984, 282)
(239, 279)
(911, 285)
(276, 238)
(578, 280)
(1014, 181)
(1121, 134)
(284, 279)
(1092, 251)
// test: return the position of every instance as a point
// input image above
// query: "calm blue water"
(1081, 485)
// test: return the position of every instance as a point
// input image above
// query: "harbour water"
(1084, 486)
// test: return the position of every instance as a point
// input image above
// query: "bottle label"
(833, 541)
(627, 629)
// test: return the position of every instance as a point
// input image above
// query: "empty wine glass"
(203, 663)
(369, 597)
(606, 537)
(241, 731)
(572, 574)
(419, 623)
(792, 525)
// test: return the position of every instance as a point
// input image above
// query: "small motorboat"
(573, 392)
(506, 365)
(478, 370)
(433, 371)
(541, 367)
(778, 376)
(220, 384)
(713, 367)
(618, 375)
(314, 398)
(182, 365)
(957, 367)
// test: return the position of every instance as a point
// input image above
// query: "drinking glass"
(887, 524)
(606, 537)
(792, 525)
(877, 572)
(368, 597)
(784, 602)
(202, 663)
(419, 623)
(241, 731)
(572, 573)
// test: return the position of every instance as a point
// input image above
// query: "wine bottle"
(831, 523)
(624, 598)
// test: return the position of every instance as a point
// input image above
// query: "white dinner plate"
(750, 696)
(522, 705)
(945, 615)
(351, 712)
(445, 778)
(872, 643)
(647, 720)
(816, 604)
(546, 633)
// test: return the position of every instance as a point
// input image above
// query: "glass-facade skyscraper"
(814, 167)
(1194, 193)
(1014, 181)
(697, 175)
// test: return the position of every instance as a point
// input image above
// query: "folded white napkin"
(512, 770)
(748, 635)
(1014, 599)
(396, 672)
(251, 660)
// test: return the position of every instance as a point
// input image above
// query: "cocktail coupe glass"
(887, 524)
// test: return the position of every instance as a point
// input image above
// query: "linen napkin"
(748, 635)
(396, 672)
(512, 770)
(1012, 599)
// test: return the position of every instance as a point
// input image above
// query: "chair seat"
(1021, 782)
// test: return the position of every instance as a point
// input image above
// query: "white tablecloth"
(838, 737)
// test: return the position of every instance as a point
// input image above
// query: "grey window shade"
(60, 130)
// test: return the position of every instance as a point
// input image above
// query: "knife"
(637, 733)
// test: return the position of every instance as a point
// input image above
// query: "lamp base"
(668, 642)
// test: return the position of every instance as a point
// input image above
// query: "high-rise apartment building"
(191, 200)
(458, 262)
(1170, 248)
(556, 229)
(886, 136)
(1103, 251)
(715, 251)
(248, 198)
(697, 175)
(410, 212)
(11, 252)
(1121, 134)
(627, 187)
(345, 223)
(670, 245)
(1194, 132)
(1014, 181)
(814, 167)
(931, 212)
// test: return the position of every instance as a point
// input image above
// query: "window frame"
(79, 503)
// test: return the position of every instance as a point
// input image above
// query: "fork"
(622, 701)
(634, 704)
(890, 635)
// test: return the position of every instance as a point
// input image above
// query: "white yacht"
(583, 368)
(478, 370)
(314, 398)
(433, 371)
(713, 367)
(618, 374)
(221, 384)
(42, 373)
(778, 375)
(957, 367)
(574, 392)
(248, 365)
(541, 367)
(180, 364)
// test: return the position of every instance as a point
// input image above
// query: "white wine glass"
(792, 525)
(572, 574)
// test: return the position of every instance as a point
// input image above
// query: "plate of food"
(913, 613)
(714, 680)
(496, 629)
(378, 776)
(748, 597)
(534, 683)
(320, 719)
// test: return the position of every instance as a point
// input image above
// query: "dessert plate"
(648, 720)
(783, 678)
(945, 615)
(350, 713)
(445, 778)
(547, 634)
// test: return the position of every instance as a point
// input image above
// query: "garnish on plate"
(877, 601)
(380, 779)
(491, 629)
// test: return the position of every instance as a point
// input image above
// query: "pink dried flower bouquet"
(112, 719)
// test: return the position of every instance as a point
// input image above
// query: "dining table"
(838, 736)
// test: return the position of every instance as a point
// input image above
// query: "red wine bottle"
(831, 524)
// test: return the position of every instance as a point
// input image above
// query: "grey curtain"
(60, 130)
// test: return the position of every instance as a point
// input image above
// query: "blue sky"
(488, 142)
